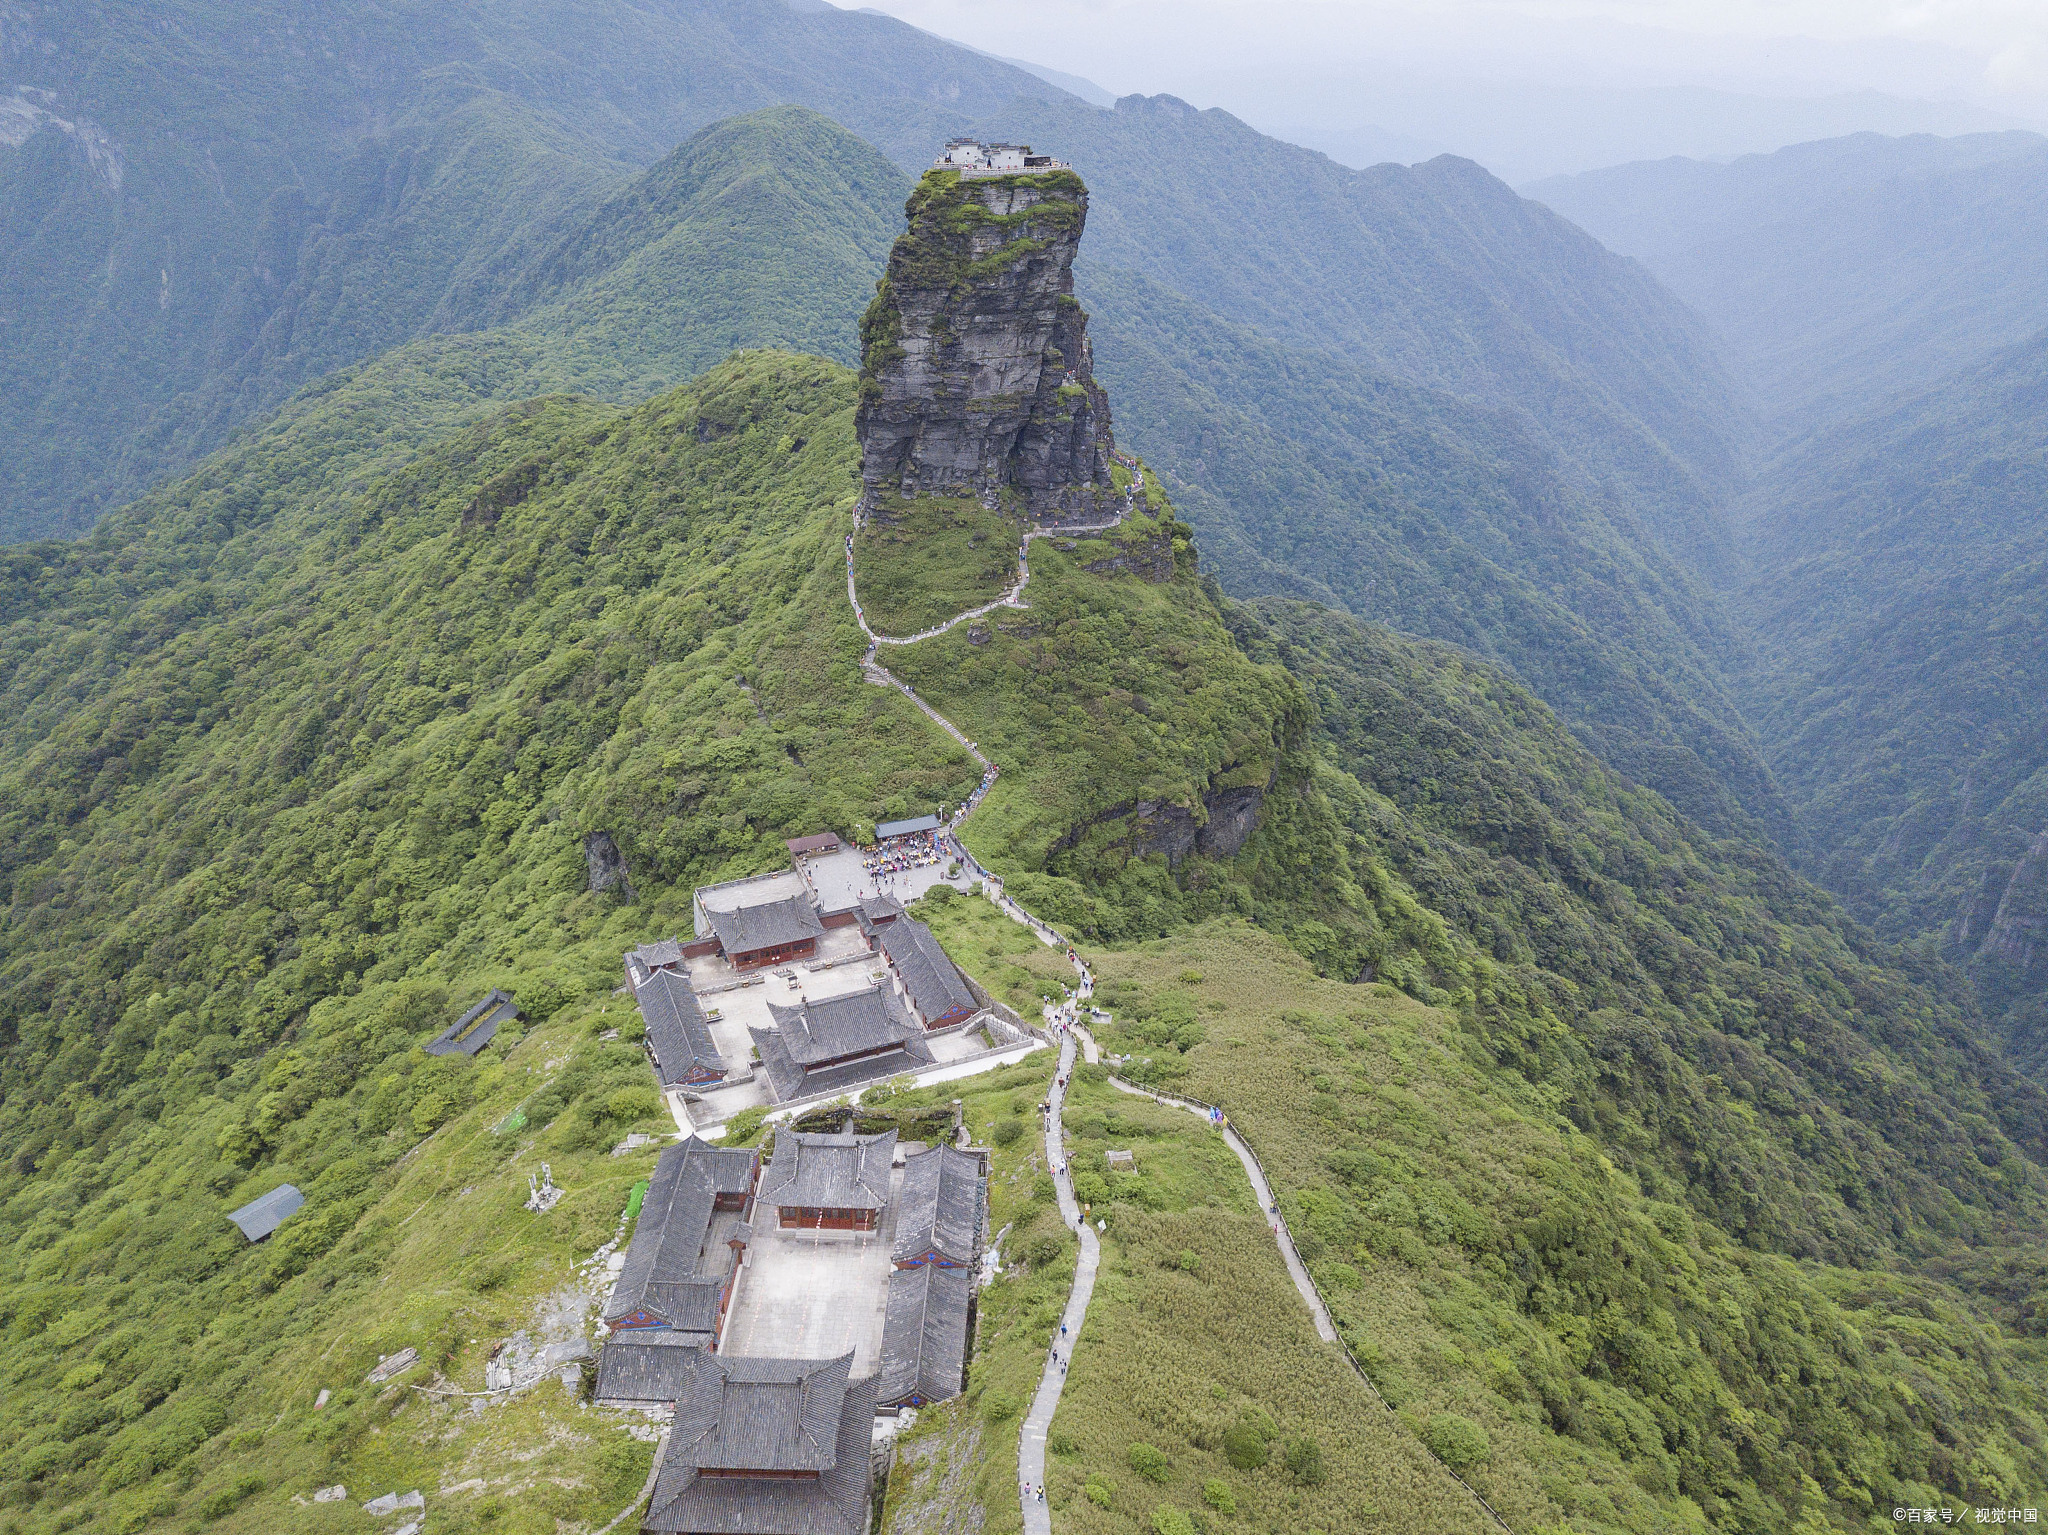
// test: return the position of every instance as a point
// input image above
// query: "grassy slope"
(1675, 1263)
(1629, 1366)
(934, 559)
(1194, 1326)
(1173, 1352)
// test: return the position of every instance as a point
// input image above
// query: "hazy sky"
(1591, 80)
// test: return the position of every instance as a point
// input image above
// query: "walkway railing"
(1286, 1237)
(1031, 1439)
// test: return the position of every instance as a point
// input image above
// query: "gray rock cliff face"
(2019, 932)
(976, 374)
(1226, 822)
(607, 865)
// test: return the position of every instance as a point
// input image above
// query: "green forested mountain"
(1890, 561)
(764, 229)
(514, 221)
(1310, 476)
(1899, 563)
(297, 761)
(1352, 416)
(1842, 271)
(1434, 274)
(1678, 1198)
(203, 206)
(457, 201)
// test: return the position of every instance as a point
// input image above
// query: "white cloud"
(1941, 48)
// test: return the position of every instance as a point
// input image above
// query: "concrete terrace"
(839, 879)
(815, 1294)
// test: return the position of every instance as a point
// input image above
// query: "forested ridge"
(1841, 272)
(1884, 299)
(405, 195)
(1899, 594)
(215, 204)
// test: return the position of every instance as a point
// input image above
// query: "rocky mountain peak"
(976, 376)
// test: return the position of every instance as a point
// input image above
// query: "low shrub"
(1305, 1460)
(1150, 1463)
(1456, 1440)
(1244, 1446)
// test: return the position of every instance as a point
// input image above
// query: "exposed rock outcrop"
(976, 375)
(1967, 929)
(607, 865)
(1228, 819)
(2019, 932)
(1149, 556)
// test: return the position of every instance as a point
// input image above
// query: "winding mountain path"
(1296, 1269)
(1038, 1420)
(1064, 1019)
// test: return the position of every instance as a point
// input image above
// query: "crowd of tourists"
(899, 855)
(989, 775)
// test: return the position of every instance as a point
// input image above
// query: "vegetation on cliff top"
(924, 560)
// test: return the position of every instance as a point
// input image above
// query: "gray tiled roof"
(678, 1033)
(815, 1033)
(475, 1028)
(880, 908)
(745, 929)
(261, 1216)
(793, 1081)
(675, 1217)
(829, 1172)
(762, 1414)
(690, 1305)
(792, 1393)
(928, 975)
(924, 1335)
(939, 1207)
(646, 1364)
(663, 951)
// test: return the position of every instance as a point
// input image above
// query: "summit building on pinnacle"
(976, 376)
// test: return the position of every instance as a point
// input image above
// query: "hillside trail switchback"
(1064, 1020)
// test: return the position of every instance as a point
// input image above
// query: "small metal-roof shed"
(477, 1027)
(259, 1217)
(916, 823)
